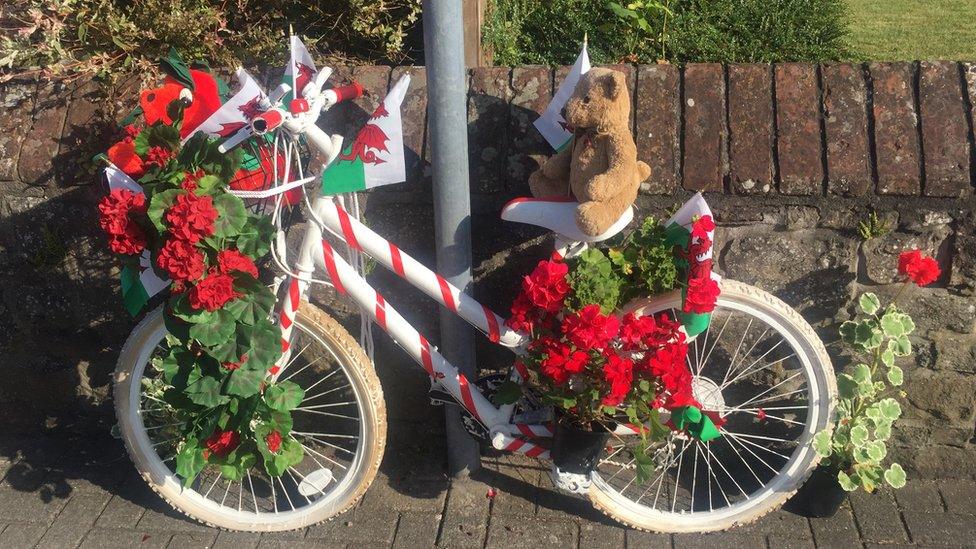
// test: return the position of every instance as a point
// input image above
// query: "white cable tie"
(267, 193)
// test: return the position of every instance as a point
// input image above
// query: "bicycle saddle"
(558, 214)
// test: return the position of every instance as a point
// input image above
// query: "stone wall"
(792, 157)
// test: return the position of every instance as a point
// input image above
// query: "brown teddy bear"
(600, 167)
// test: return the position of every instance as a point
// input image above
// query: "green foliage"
(111, 38)
(856, 447)
(594, 280)
(873, 227)
(679, 31)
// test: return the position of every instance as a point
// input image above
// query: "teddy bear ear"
(613, 83)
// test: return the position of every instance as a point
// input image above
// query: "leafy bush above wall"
(549, 31)
(115, 37)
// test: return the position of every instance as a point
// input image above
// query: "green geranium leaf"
(890, 408)
(206, 392)
(159, 204)
(892, 325)
(244, 382)
(216, 332)
(888, 357)
(895, 476)
(284, 396)
(263, 343)
(895, 376)
(869, 303)
(255, 237)
(868, 335)
(900, 346)
(862, 373)
(859, 435)
(208, 184)
(232, 216)
(908, 325)
(189, 462)
(507, 393)
(882, 430)
(846, 386)
(877, 450)
(846, 482)
(848, 331)
(822, 443)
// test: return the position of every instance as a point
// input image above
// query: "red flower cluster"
(213, 292)
(543, 293)
(702, 291)
(125, 235)
(221, 443)
(920, 269)
(273, 440)
(191, 217)
(158, 156)
(233, 260)
(560, 360)
(590, 330)
(619, 373)
(181, 259)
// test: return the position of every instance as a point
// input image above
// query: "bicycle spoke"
(738, 348)
(323, 456)
(329, 414)
(306, 399)
(753, 399)
(760, 446)
(760, 437)
(761, 460)
(717, 338)
(750, 372)
(333, 405)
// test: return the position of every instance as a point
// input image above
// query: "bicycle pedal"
(574, 483)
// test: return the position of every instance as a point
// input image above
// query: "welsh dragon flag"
(299, 71)
(551, 124)
(691, 228)
(137, 287)
(375, 157)
(237, 111)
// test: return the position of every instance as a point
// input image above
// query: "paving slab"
(193, 540)
(18, 506)
(236, 540)
(417, 530)
(877, 517)
(64, 534)
(19, 535)
(111, 538)
(510, 531)
(637, 539)
(594, 535)
(941, 528)
(959, 496)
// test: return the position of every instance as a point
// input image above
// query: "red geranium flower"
(131, 132)
(561, 362)
(190, 180)
(123, 155)
(159, 156)
(131, 242)
(619, 372)
(547, 287)
(222, 443)
(668, 365)
(701, 295)
(233, 260)
(634, 330)
(273, 440)
(125, 235)
(235, 365)
(588, 329)
(181, 259)
(212, 292)
(523, 316)
(191, 217)
(920, 269)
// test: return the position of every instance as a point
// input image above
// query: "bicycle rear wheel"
(766, 375)
(341, 423)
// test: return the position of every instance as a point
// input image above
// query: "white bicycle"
(759, 366)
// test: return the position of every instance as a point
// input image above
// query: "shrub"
(114, 37)
(549, 32)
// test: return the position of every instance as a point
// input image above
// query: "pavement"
(83, 492)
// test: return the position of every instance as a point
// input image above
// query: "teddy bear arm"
(557, 167)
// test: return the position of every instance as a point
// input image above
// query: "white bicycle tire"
(132, 361)
(815, 359)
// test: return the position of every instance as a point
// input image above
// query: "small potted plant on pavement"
(854, 452)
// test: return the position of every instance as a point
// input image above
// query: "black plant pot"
(575, 449)
(820, 497)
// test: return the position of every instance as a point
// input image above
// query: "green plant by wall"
(873, 227)
(115, 37)
(679, 31)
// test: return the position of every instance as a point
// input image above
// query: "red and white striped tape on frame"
(521, 446)
(286, 321)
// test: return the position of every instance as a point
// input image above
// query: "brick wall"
(791, 157)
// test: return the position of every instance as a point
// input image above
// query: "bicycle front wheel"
(766, 377)
(341, 425)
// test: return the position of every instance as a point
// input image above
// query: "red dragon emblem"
(303, 77)
(228, 129)
(370, 137)
(251, 108)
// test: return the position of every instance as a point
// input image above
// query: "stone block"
(881, 253)
(416, 530)
(943, 396)
(465, 515)
(489, 95)
(939, 461)
(955, 352)
(799, 146)
(896, 129)
(194, 540)
(718, 540)
(637, 539)
(810, 270)
(100, 538)
(17, 101)
(940, 528)
(836, 531)
(410, 493)
(933, 309)
(920, 495)
(958, 495)
(752, 168)
(963, 275)
(657, 113)
(84, 508)
(362, 525)
(878, 517)
(944, 129)
(21, 506)
(705, 155)
(509, 531)
(527, 150)
(236, 540)
(35, 163)
(601, 536)
(63, 534)
(916, 428)
(846, 128)
(788, 541)
(20, 535)
(89, 129)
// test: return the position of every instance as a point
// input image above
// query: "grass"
(901, 30)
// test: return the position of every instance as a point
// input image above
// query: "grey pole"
(447, 117)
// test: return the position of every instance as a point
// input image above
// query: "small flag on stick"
(375, 157)
(237, 112)
(551, 124)
(299, 71)
(137, 285)
(679, 228)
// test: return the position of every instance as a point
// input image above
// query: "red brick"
(658, 122)
(798, 127)
(751, 164)
(945, 131)
(705, 155)
(895, 129)
(846, 125)
(488, 105)
(532, 90)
